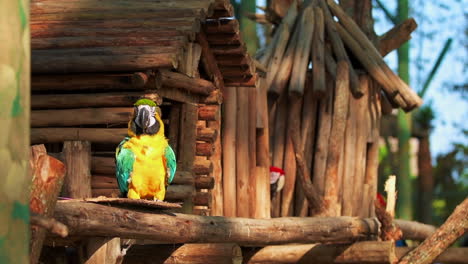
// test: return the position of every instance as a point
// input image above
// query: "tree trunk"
(425, 181)
(405, 204)
(14, 142)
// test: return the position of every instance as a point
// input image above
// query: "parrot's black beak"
(142, 118)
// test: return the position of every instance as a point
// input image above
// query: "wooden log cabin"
(91, 61)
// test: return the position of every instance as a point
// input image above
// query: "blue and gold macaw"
(145, 163)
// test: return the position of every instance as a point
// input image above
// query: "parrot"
(145, 162)
(276, 180)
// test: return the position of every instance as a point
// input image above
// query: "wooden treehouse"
(228, 117)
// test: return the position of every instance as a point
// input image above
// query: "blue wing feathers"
(124, 159)
(170, 163)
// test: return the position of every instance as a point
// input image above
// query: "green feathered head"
(145, 101)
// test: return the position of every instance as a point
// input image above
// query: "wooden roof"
(77, 36)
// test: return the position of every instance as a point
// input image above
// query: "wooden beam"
(62, 134)
(93, 82)
(80, 116)
(181, 81)
(62, 101)
(86, 219)
(361, 252)
(187, 253)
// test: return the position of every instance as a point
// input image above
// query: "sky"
(436, 24)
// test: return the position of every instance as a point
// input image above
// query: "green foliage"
(424, 117)
(451, 180)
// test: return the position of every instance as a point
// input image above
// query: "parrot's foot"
(157, 200)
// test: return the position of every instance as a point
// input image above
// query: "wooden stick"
(242, 154)
(321, 147)
(80, 116)
(281, 79)
(47, 180)
(187, 253)
(336, 140)
(359, 252)
(318, 49)
(396, 84)
(360, 151)
(95, 220)
(395, 37)
(414, 230)
(49, 224)
(284, 34)
(229, 152)
(338, 48)
(455, 226)
(448, 256)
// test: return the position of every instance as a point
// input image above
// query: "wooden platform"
(127, 202)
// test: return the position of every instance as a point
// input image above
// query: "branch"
(455, 226)
(396, 36)
(387, 12)
(436, 66)
(49, 224)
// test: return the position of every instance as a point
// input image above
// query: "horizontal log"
(374, 252)
(204, 182)
(86, 220)
(182, 81)
(207, 134)
(202, 211)
(219, 50)
(179, 95)
(60, 101)
(80, 116)
(91, 41)
(224, 39)
(223, 25)
(215, 97)
(104, 182)
(173, 192)
(93, 82)
(208, 112)
(185, 254)
(111, 25)
(202, 167)
(103, 165)
(414, 230)
(202, 199)
(51, 61)
(105, 32)
(62, 134)
(204, 149)
(93, 14)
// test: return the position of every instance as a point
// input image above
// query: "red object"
(276, 169)
(381, 200)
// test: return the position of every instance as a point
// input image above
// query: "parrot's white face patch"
(152, 110)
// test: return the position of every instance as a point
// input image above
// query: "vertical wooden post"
(188, 139)
(217, 205)
(229, 151)
(14, 142)
(252, 149)
(77, 157)
(47, 178)
(242, 153)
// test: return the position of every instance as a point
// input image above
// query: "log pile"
(333, 109)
